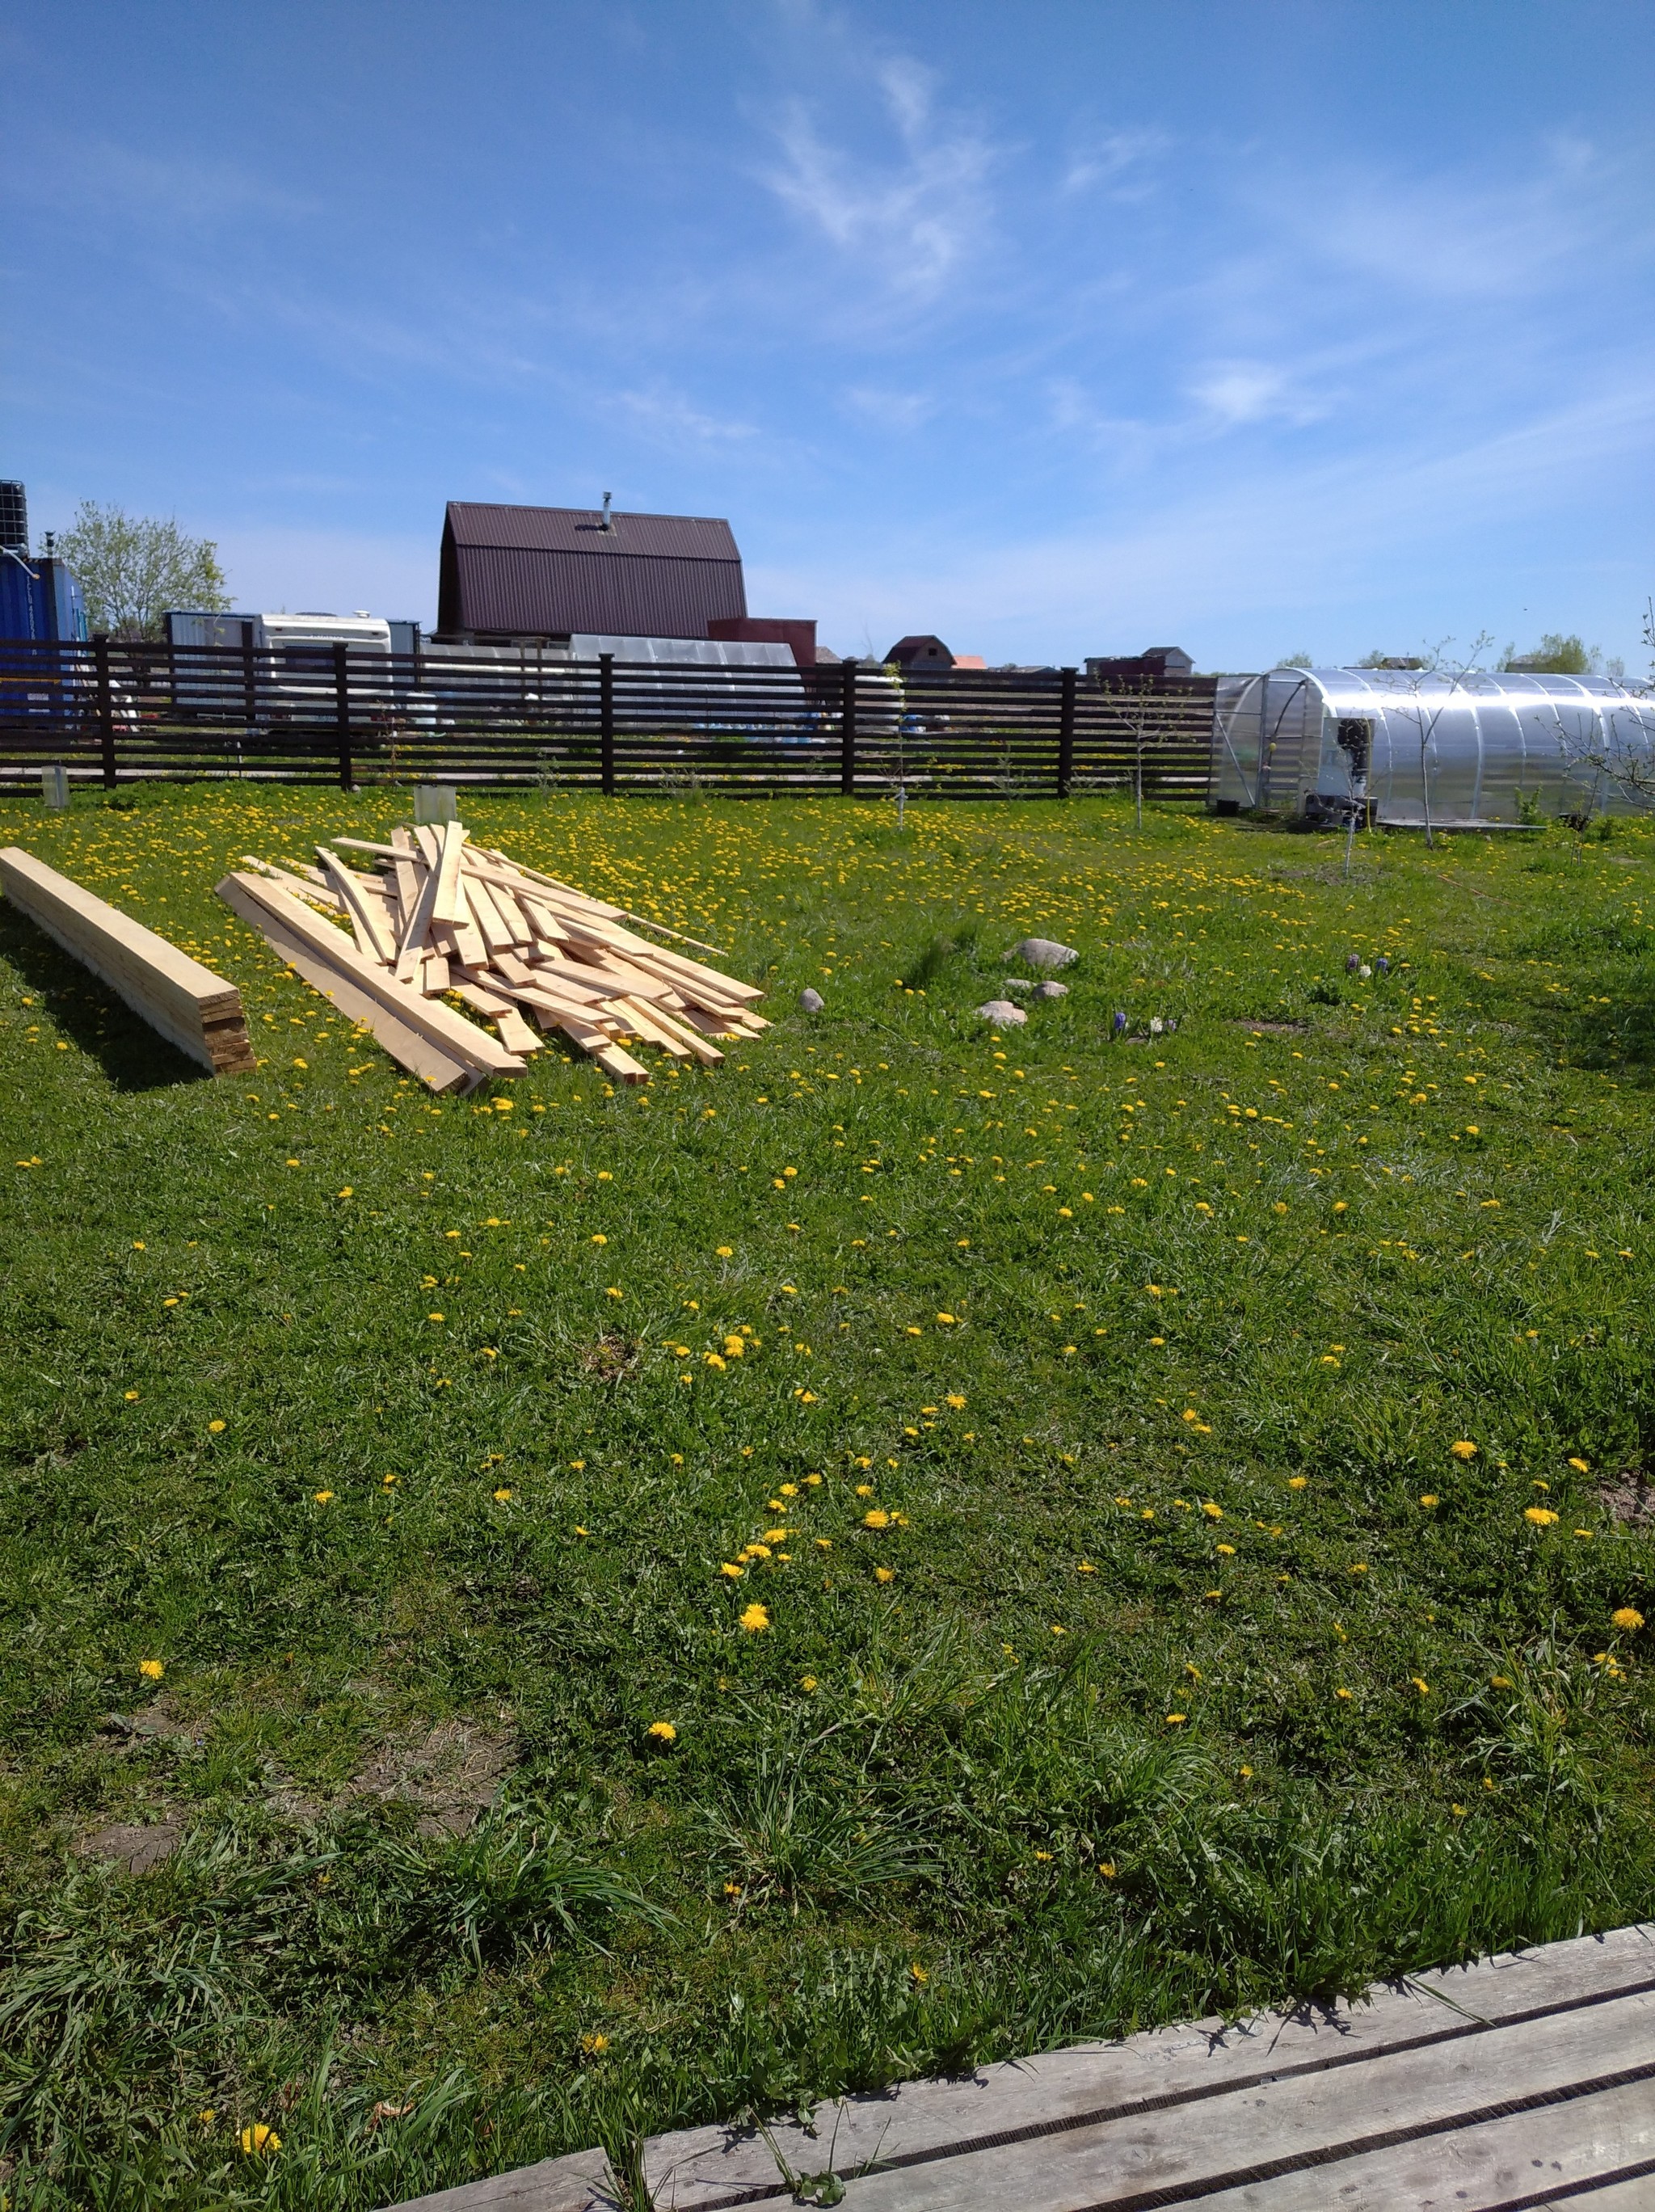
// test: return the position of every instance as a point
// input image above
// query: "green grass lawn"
(1182, 1488)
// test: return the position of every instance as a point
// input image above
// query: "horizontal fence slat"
(136, 710)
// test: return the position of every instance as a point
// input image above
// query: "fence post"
(105, 708)
(342, 712)
(1066, 733)
(847, 734)
(606, 722)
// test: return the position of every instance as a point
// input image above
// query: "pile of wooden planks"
(192, 1008)
(440, 919)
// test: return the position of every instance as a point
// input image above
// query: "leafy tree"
(1554, 655)
(1295, 661)
(133, 568)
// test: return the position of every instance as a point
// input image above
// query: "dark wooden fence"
(115, 711)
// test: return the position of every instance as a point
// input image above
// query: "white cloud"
(163, 192)
(670, 417)
(1238, 391)
(1270, 550)
(921, 219)
(1116, 161)
(899, 411)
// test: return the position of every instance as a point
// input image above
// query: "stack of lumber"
(441, 919)
(192, 1008)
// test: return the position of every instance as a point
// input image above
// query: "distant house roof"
(550, 571)
(920, 651)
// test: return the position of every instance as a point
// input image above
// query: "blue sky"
(1057, 329)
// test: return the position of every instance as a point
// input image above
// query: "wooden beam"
(410, 1049)
(461, 1039)
(449, 906)
(191, 1007)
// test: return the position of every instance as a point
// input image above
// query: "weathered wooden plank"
(192, 1008)
(1196, 2150)
(1181, 2083)
(1058, 2088)
(1545, 2157)
(580, 2183)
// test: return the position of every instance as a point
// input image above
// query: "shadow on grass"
(132, 1055)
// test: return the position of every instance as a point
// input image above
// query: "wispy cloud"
(662, 414)
(1560, 208)
(1116, 162)
(921, 218)
(1230, 393)
(120, 186)
(890, 410)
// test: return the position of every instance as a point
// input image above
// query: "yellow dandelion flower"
(806, 1682)
(1541, 1515)
(1297, 1481)
(730, 1569)
(1176, 1720)
(919, 1974)
(1627, 1616)
(216, 1428)
(1581, 1465)
(258, 2139)
(884, 1574)
(1420, 1685)
(322, 1497)
(663, 1731)
(876, 1519)
(1429, 1498)
(153, 1669)
(1464, 1449)
(756, 1618)
(592, 2043)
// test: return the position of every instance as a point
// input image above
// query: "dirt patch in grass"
(1271, 1028)
(136, 1849)
(452, 1772)
(1629, 1498)
(610, 1358)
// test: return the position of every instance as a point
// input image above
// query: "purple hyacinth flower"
(1119, 1023)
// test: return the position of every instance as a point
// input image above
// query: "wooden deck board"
(1523, 2081)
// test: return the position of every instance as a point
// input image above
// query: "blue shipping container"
(41, 600)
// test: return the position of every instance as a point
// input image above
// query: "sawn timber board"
(192, 1008)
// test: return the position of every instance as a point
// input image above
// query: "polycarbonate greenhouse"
(1481, 751)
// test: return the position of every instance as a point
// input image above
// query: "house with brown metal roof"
(541, 574)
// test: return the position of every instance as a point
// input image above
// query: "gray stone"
(1002, 1014)
(1045, 952)
(1052, 990)
(1018, 983)
(811, 1002)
